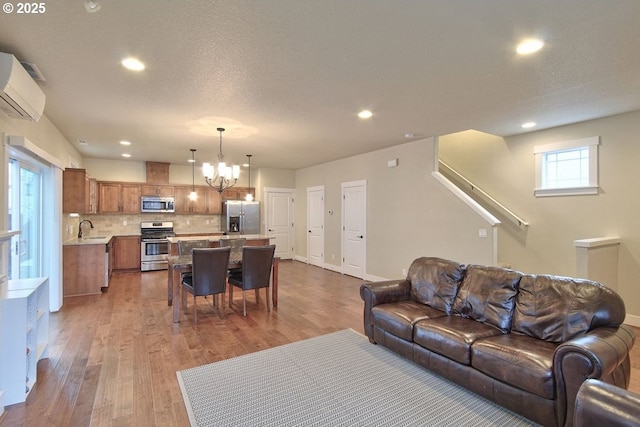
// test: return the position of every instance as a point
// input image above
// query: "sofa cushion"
(452, 336)
(488, 295)
(556, 309)
(398, 318)
(435, 281)
(519, 360)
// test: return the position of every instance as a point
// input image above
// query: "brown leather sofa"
(526, 342)
(602, 404)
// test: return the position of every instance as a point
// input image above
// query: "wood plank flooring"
(113, 357)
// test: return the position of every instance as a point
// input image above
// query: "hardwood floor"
(113, 358)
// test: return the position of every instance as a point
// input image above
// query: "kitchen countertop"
(89, 240)
(215, 237)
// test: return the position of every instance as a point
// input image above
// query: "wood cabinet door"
(109, 197)
(126, 253)
(157, 190)
(75, 191)
(130, 198)
(182, 204)
(213, 202)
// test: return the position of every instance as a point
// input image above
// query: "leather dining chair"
(208, 277)
(255, 274)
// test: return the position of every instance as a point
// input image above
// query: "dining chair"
(255, 274)
(208, 277)
(236, 246)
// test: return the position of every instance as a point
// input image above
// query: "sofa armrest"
(375, 293)
(602, 404)
(603, 353)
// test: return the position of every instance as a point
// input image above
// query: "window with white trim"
(567, 168)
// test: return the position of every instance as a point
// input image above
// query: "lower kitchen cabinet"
(85, 269)
(24, 334)
(126, 253)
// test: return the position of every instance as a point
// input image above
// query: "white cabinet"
(24, 335)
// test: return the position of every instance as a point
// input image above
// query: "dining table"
(179, 264)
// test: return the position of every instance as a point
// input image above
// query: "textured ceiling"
(287, 78)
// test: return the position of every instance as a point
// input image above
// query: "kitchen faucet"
(80, 227)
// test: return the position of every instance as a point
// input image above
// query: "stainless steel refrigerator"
(240, 217)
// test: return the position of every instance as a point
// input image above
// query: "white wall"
(504, 167)
(409, 215)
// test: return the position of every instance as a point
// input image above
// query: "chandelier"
(224, 176)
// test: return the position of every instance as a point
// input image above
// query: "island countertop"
(90, 240)
(216, 237)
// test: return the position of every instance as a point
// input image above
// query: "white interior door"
(279, 219)
(354, 227)
(315, 226)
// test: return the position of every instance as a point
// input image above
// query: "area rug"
(339, 379)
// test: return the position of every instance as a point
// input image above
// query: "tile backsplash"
(123, 225)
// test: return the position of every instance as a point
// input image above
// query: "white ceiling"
(288, 77)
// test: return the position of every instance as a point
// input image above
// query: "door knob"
(361, 237)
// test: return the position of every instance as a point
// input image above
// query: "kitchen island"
(214, 240)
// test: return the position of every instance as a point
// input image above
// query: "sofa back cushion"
(488, 295)
(435, 281)
(556, 309)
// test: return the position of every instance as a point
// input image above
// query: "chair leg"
(195, 310)
(183, 297)
(266, 295)
(230, 295)
(244, 302)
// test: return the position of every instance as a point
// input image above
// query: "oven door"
(154, 250)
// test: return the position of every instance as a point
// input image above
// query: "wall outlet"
(124, 222)
(207, 222)
(188, 222)
(333, 256)
(404, 272)
(482, 232)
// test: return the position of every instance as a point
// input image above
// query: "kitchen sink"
(94, 237)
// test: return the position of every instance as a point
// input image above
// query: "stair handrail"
(448, 170)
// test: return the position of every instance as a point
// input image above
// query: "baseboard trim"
(632, 320)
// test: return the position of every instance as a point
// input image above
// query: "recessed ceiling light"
(408, 135)
(127, 155)
(365, 114)
(528, 125)
(125, 143)
(529, 46)
(132, 64)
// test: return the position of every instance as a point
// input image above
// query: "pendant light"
(193, 195)
(249, 196)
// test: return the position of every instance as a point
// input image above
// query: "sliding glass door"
(25, 214)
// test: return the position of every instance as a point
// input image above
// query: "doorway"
(315, 226)
(279, 214)
(354, 228)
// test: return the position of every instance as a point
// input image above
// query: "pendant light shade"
(224, 176)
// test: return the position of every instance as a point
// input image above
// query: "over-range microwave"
(157, 204)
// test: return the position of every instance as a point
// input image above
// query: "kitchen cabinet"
(84, 269)
(185, 205)
(119, 197)
(157, 190)
(24, 334)
(126, 253)
(213, 202)
(238, 193)
(79, 192)
(157, 173)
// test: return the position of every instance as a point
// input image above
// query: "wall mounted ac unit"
(20, 95)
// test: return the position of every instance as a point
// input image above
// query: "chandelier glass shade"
(223, 176)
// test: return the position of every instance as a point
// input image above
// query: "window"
(567, 168)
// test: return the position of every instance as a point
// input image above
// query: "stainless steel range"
(154, 244)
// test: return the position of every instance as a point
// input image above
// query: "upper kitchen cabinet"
(158, 190)
(238, 193)
(213, 201)
(157, 173)
(119, 197)
(187, 206)
(79, 192)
